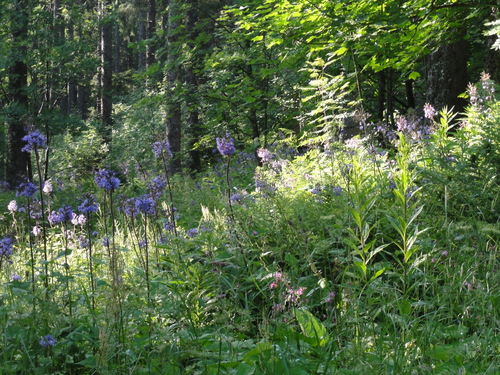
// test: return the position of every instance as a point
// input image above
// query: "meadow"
(372, 255)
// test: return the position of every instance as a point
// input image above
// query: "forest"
(249, 187)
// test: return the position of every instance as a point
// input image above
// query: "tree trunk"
(447, 76)
(17, 160)
(150, 51)
(173, 118)
(106, 106)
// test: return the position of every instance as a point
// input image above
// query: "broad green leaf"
(311, 327)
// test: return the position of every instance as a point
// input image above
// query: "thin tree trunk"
(173, 118)
(106, 72)
(18, 161)
(150, 51)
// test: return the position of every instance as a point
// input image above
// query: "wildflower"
(34, 140)
(337, 190)
(15, 277)
(26, 189)
(225, 145)
(6, 244)
(193, 232)
(105, 241)
(161, 147)
(47, 341)
(145, 205)
(130, 207)
(444, 253)
(55, 218)
(264, 155)
(83, 242)
(429, 111)
(236, 198)
(36, 231)
(168, 226)
(157, 186)
(107, 179)
(12, 206)
(47, 187)
(143, 243)
(78, 219)
(88, 205)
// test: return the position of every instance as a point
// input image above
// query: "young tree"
(18, 120)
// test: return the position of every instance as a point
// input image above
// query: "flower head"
(89, 204)
(193, 232)
(159, 148)
(26, 189)
(47, 341)
(47, 187)
(34, 140)
(429, 111)
(225, 145)
(15, 277)
(107, 179)
(12, 206)
(265, 155)
(145, 205)
(6, 244)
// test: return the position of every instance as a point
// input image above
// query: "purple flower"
(265, 155)
(34, 140)
(193, 232)
(130, 208)
(36, 231)
(107, 179)
(6, 244)
(47, 341)
(236, 198)
(88, 205)
(15, 277)
(168, 226)
(26, 189)
(337, 190)
(143, 243)
(161, 147)
(105, 241)
(145, 205)
(429, 111)
(78, 219)
(225, 145)
(157, 186)
(55, 218)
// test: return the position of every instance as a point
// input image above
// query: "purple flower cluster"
(160, 148)
(193, 232)
(429, 111)
(88, 205)
(157, 186)
(130, 208)
(107, 179)
(12, 206)
(265, 155)
(64, 214)
(47, 341)
(26, 189)
(34, 140)
(145, 204)
(6, 244)
(225, 145)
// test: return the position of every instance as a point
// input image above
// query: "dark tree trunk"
(192, 81)
(106, 106)
(447, 76)
(173, 120)
(410, 97)
(18, 161)
(150, 51)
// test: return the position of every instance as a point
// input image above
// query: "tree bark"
(447, 76)
(173, 118)
(106, 105)
(17, 160)
(150, 51)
